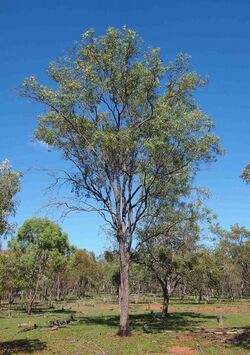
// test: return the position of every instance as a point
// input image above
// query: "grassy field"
(94, 332)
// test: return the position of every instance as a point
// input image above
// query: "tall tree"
(123, 120)
(9, 187)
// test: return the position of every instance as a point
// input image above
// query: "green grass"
(95, 329)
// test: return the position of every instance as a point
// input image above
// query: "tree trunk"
(124, 291)
(165, 303)
(31, 298)
(200, 296)
(29, 308)
(30, 302)
(137, 295)
(183, 292)
(242, 290)
(58, 295)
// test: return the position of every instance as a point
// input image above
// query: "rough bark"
(165, 303)
(124, 291)
(30, 304)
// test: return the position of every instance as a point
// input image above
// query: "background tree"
(9, 276)
(123, 120)
(229, 283)
(35, 243)
(235, 244)
(205, 275)
(9, 187)
(174, 261)
(85, 269)
(140, 281)
(109, 268)
(58, 265)
(169, 257)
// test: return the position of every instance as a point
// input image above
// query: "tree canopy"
(38, 242)
(125, 121)
(9, 187)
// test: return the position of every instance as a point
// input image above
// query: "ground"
(94, 331)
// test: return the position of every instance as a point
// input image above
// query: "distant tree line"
(41, 267)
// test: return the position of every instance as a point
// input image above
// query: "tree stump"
(220, 321)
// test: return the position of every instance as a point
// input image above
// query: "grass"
(96, 326)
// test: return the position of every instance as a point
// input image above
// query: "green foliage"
(124, 120)
(41, 234)
(9, 187)
(38, 242)
(109, 268)
(8, 266)
(85, 269)
(205, 274)
(246, 174)
(234, 246)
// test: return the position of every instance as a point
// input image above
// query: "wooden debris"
(219, 331)
(61, 322)
(27, 326)
(145, 329)
(54, 328)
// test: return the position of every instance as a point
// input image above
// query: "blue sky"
(215, 33)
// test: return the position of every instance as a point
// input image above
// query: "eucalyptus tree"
(9, 281)
(170, 243)
(37, 241)
(56, 270)
(235, 245)
(9, 187)
(123, 120)
(85, 269)
(109, 269)
(205, 275)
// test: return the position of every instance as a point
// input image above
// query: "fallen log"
(219, 331)
(27, 326)
(56, 327)
(61, 322)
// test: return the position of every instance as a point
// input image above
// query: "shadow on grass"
(54, 310)
(21, 346)
(42, 310)
(241, 340)
(178, 321)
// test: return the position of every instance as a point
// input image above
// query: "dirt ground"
(243, 309)
(183, 350)
(209, 338)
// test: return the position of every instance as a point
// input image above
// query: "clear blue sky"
(215, 33)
